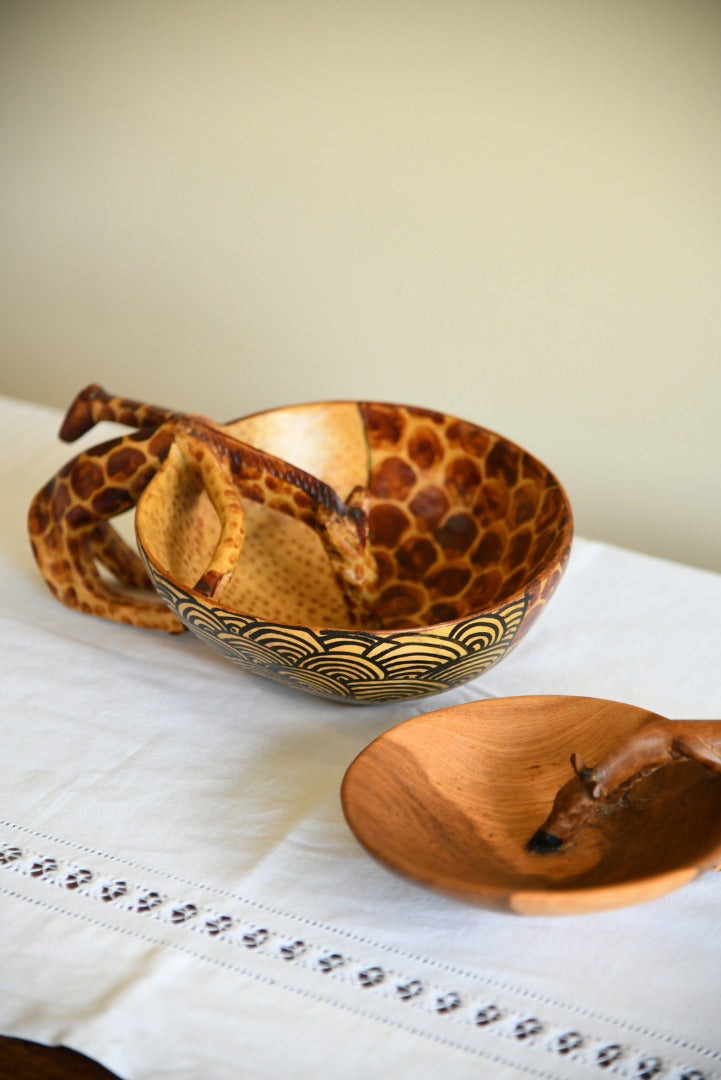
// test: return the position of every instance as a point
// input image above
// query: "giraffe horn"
(94, 404)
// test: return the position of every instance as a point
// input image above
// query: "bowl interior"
(460, 518)
(450, 799)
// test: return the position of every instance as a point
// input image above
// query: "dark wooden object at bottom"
(22, 1060)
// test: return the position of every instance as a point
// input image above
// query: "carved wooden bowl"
(471, 534)
(451, 799)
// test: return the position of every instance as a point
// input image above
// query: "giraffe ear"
(585, 775)
(578, 764)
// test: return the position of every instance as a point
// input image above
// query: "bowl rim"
(561, 547)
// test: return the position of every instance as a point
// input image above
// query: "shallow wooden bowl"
(471, 534)
(450, 800)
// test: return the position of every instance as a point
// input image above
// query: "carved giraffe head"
(573, 804)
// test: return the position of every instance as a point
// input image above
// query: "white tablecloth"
(181, 897)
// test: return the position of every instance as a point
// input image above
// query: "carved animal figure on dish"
(655, 744)
(68, 520)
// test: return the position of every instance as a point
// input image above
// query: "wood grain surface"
(450, 800)
(23, 1060)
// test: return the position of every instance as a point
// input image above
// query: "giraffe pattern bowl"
(471, 535)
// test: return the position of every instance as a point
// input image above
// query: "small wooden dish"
(450, 799)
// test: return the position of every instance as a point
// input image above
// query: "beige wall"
(508, 210)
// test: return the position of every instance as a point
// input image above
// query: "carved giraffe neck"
(69, 525)
(656, 744)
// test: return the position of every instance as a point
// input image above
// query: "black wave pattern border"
(355, 667)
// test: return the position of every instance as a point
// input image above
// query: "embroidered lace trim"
(482, 1016)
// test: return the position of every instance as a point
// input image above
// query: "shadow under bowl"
(471, 534)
